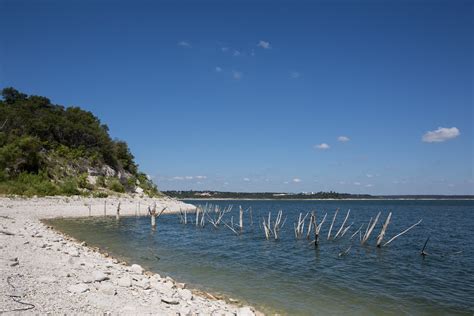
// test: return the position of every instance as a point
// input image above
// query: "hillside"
(48, 149)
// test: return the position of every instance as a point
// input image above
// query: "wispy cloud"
(357, 183)
(218, 69)
(184, 44)
(322, 146)
(246, 179)
(369, 185)
(296, 180)
(225, 49)
(369, 175)
(264, 44)
(343, 139)
(237, 75)
(236, 53)
(440, 135)
(188, 177)
(295, 75)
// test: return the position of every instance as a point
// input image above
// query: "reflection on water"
(291, 276)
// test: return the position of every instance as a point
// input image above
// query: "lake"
(293, 277)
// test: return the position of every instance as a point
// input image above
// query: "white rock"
(46, 279)
(78, 288)
(185, 294)
(87, 279)
(136, 268)
(125, 281)
(107, 288)
(144, 284)
(99, 276)
(245, 311)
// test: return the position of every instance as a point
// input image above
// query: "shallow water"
(292, 277)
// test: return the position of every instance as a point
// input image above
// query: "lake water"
(290, 276)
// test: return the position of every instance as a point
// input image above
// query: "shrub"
(69, 187)
(116, 186)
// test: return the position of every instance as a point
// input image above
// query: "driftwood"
(317, 229)
(403, 232)
(154, 215)
(370, 228)
(423, 252)
(357, 231)
(332, 223)
(383, 231)
(117, 215)
(299, 229)
(277, 225)
(343, 223)
(345, 252)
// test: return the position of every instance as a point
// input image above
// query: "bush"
(116, 186)
(29, 184)
(100, 195)
(69, 187)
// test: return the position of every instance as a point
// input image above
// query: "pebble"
(136, 268)
(99, 276)
(78, 288)
(125, 281)
(107, 288)
(245, 311)
(144, 284)
(186, 295)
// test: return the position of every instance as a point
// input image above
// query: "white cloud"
(201, 177)
(369, 185)
(296, 180)
(356, 183)
(177, 178)
(343, 139)
(264, 44)
(189, 177)
(236, 53)
(369, 175)
(322, 146)
(295, 75)
(218, 69)
(440, 135)
(184, 44)
(237, 75)
(246, 179)
(225, 49)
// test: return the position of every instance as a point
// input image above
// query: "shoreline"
(385, 199)
(48, 271)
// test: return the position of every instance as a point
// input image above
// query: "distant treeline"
(298, 196)
(263, 195)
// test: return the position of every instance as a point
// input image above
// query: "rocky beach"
(43, 271)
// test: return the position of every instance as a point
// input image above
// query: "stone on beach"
(125, 281)
(99, 276)
(77, 279)
(78, 288)
(136, 268)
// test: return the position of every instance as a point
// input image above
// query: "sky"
(352, 96)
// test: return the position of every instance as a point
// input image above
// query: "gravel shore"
(42, 271)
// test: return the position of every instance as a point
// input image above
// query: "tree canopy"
(33, 130)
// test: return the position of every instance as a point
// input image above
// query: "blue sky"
(243, 95)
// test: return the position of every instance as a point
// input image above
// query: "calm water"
(290, 276)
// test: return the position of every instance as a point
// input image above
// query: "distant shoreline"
(349, 199)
